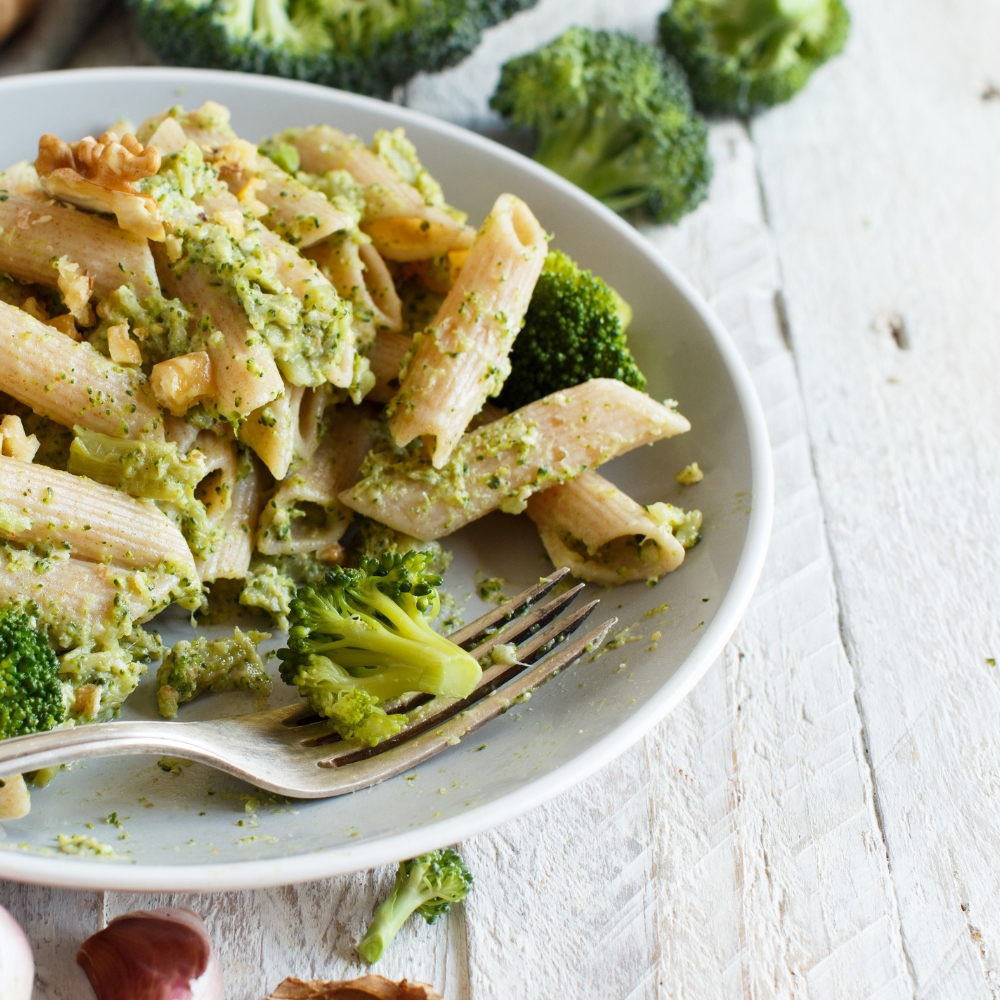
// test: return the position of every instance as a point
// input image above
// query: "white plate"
(192, 831)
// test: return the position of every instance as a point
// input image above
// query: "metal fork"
(291, 751)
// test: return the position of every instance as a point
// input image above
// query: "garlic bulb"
(365, 988)
(17, 966)
(160, 954)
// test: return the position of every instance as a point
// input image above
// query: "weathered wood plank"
(881, 189)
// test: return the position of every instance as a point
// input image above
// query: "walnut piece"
(99, 175)
(14, 443)
(178, 383)
(76, 289)
(365, 988)
(121, 347)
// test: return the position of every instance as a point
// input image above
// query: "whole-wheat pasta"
(305, 513)
(72, 382)
(33, 235)
(601, 533)
(237, 528)
(286, 430)
(501, 464)
(386, 358)
(461, 359)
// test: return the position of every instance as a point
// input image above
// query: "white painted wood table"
(819, 818)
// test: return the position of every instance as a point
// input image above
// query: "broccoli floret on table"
(198, 665)
(369, 630)
(614, 117)
(31, 695)
(427, 885)
(368, 46)
(741, 55)
(574, 330)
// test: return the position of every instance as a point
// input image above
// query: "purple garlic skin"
(160, 954)
(17, 965)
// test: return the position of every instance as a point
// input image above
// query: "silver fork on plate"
(291, 751)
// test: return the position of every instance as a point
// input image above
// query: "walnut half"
(99, 175)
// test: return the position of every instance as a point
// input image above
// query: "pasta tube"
(461, 359)
(71, 382)
(602, 534)
(501, 464)
(230, 559)
(401, 224)
(305, 513)
(286, 430)
(386, 359)
(34, 234)
(243, 366)
(92, 521)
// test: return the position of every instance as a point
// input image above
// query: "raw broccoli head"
(614, 117)
(427, 885)
(369, 630)
(574, 330)
(31, 696)
(368, 46)
(741, 55)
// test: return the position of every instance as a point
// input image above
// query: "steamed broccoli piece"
(574, 330)
(427, 885)
(614, 117)
(31, 696)
(368, 46)
(741, 55)
(198, 665)
(369, 630)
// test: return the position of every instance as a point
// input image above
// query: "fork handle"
(104, 739)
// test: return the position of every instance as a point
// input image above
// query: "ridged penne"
(286, 431)
(243, 366)
(401, 224)
(70, 381)
(601, 533)
(91, 521)
(33, 235)
(305, 514)
(501, 464)
(237, 528)
(461, 359)
(386, 358)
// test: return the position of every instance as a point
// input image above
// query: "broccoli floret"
(741, 55)
(368, 46)
(369, 629)
(574, 330)
(374, 540)
(195, 666)
(614, 117)
(428, 885)
(31, 696)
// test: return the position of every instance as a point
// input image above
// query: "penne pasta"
(386, 359)
(401, 224)
(71, 382)
(91, 521)
(34, 234)
(286, 430)
(501, 464)
(602, 534)
(243, 366)
(237, 528)
(461, 359)
(305, 513)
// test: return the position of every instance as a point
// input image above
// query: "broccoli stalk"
(368, 630)
(574, 330)
(613, 117)
(428, 885)
(741, 55)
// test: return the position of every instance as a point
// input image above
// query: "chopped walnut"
(239, 164)
(14, 443)
(67, 325)
(99, 175)
(87, 701)
(76, 289)
(33, 307)
(21, 181)
(121, 347)
(178, 383)
(375, 987)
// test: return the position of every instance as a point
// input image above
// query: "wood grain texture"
(884, 205)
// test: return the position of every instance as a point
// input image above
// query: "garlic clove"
(162, 954)
(17, 965)
(366, 988)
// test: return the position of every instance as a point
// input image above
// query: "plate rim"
(72, 873)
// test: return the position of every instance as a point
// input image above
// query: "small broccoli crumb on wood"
(690, 475)
(198, 665)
